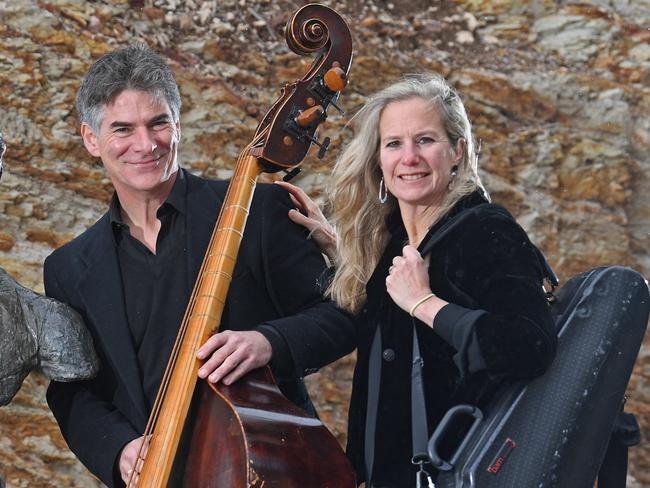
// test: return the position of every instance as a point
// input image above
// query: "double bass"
(248, 434)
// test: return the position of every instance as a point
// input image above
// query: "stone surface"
(39, 333)
(558, 93)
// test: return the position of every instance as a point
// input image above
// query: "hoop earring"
(451, 179)
(383, 192)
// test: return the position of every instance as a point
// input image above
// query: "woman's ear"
(90, 140)
(460, 149)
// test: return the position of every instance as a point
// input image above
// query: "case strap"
(613, 470)
(374, 380)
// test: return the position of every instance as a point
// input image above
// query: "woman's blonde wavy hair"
(357, 215)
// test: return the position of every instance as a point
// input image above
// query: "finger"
(227, 366)
(313, 209)
(145, 448)
(218, 358)
(298, 218)
(296, 203)
(139, 465)
(389, 284)
(304, 203)
(410, 252)
(241, 369)
(132, 480)
(295, 192)
(212, 344)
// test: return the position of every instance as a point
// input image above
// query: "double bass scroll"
(289, 127)
(248, 434)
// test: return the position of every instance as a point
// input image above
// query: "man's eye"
(121, 130)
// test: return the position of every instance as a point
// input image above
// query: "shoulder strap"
(374, 378)
(459, 218)
(447, 227)
(626, 433)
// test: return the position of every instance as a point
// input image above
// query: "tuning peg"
(335, 79)
(309, 116)
(322, 145)
(291, 174)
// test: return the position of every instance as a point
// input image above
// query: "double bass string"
(189, 313)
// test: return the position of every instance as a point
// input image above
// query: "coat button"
(388, 355)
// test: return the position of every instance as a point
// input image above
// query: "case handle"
(442, 428)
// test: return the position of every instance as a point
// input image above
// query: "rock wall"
(557, 90)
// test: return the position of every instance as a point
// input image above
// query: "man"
(130, 275)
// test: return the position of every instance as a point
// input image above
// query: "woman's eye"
(426, 140)
(392, 144)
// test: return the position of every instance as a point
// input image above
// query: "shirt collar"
(176, 200)
(176, 197)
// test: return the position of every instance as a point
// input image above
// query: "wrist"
(330, 247)
(420, 301)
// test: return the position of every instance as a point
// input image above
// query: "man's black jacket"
(276, 285)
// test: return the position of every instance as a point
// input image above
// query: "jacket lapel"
(203, 206)
(101, 289)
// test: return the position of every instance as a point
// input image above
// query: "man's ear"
(90, 140)
(178, 130)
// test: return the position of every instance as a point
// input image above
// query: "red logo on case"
(502, 455)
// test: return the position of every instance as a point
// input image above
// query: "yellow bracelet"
(420, 302)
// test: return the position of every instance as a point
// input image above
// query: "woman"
(477, 299)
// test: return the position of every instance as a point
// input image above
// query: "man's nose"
(144, 141)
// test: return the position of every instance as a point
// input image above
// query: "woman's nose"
(409, 153)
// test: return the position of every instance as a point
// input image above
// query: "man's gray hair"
(135, 67)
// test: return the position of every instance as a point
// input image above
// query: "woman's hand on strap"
(407, 284)
(309, 215)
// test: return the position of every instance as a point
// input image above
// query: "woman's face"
(416, 156)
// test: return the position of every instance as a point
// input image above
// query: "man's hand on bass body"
(229, 355)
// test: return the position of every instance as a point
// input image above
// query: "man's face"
(137, 142)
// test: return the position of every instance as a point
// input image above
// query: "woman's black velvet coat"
(497, 324)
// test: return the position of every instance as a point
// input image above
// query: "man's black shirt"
(156, 287)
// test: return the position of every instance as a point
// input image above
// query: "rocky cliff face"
(558, 93)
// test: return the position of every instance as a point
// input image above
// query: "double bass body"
(264, 440)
